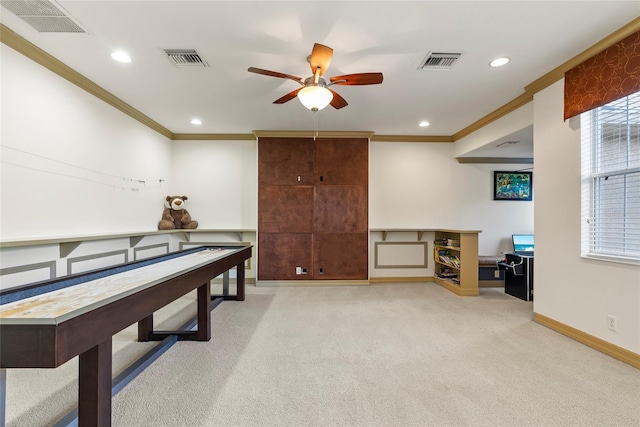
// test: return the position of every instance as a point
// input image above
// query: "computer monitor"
(522, 243)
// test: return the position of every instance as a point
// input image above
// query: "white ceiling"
(391, 37)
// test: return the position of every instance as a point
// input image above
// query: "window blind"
(611, 180)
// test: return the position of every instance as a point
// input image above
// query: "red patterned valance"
(611, 74)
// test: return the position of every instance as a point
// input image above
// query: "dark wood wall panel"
(280, 253)
(342, 161)
(282, 160)
(340, 209)
(285, 208)
(313, 208)
(341, 256)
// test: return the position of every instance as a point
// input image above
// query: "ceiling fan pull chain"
(315, 125)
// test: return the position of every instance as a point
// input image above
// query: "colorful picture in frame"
(512, 185)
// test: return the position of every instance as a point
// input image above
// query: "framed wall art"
(512, 185)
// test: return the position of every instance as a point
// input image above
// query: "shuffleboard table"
(46, 324)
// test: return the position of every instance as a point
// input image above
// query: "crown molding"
(512, 105)
(558, 73)
(33, 52)
(411, 138)
(213, 137)
(311, 134)
(496, 160)
(551, 77)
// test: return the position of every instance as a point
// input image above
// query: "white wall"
(56, 190)
(423, 186)
(505, 125)
(577, 292)
(411, 185)
(221, 180)
(64, 156)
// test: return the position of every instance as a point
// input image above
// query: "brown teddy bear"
(176, 216)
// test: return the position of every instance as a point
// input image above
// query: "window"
(611, 180)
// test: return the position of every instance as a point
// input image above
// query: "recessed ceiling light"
(424, 124)
(196, 121)
(121, 56)
(499, 62)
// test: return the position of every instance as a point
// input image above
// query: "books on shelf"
(452, 243)
(445, 257)
(446, 273)
(449, 247)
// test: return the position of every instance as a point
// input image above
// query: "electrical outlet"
(496, 274)
(298, 270)
(612, 322)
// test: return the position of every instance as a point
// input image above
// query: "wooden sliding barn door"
(313, 208)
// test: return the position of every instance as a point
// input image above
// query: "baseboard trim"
(412, 279)
(371, 281)
(491, 283)
(247, 281)
(599, 344)
(267, 283)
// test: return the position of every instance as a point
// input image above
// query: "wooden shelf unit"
(468, 265)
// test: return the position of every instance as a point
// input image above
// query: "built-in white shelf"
(68, 244)
(419, 231)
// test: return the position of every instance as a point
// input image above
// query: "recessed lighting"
(196, 121)
(499, 62)
(121, 56)
(424, 124)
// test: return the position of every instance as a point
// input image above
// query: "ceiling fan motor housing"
(309, 81)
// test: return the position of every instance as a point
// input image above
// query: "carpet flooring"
(380, 355)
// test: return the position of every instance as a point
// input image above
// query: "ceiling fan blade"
(320, 58)
(274, 74)
(357, 79)
(337, 102)
(287, 97)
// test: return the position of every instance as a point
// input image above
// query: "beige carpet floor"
(380, 355)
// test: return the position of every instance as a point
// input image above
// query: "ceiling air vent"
(185, 58)
(45, 16)
(439, 61)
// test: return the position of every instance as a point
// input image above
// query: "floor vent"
(439, 61)
(45, 16)
(185, 58)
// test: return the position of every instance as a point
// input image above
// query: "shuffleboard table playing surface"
(47, 324)
(67, 302)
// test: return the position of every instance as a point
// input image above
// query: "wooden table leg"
(225, 283)
(94, 391)
(240, 282)
(145, 328)
(204, 313)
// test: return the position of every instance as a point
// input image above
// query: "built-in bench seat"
(487, 271)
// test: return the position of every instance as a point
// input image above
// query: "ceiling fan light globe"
(315, 98)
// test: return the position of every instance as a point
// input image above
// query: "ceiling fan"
(315, 93)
